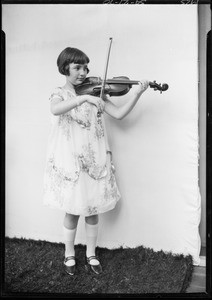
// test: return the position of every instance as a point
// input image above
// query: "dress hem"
(100, 211)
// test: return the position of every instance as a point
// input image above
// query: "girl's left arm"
(119, 112)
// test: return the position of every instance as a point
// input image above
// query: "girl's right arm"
(59, 107)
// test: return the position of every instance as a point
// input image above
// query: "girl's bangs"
(81, 59)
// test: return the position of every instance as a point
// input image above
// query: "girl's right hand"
(97, 101)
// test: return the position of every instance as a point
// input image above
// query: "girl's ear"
(87, 70)
(66, 70)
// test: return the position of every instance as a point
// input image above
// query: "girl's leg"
(91, 227)
(69, 232)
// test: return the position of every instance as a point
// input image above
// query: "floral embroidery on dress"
(60, 178)
(88, 163)
(111, 192)
(99, 129)
(82, 115)
(86, 124)
(112, 179)
(64, 122)
(57, 94)
(92, 210)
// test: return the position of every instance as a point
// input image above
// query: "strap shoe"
(97, 269)
(70, 269)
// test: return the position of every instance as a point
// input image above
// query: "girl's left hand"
(142, 86)
(101, 105)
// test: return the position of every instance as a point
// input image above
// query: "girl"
(79, 174)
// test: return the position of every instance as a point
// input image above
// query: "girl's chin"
(78, 82)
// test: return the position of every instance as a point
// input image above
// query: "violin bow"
(105, 72)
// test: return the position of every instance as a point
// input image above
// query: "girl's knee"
(71, 221)
(92, 220)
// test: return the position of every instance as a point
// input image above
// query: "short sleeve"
(57, 94)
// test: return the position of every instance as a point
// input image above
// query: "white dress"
(79, 173)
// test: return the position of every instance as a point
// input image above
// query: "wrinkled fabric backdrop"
(155, 148)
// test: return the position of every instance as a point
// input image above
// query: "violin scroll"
(158, 87)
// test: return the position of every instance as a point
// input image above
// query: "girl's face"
(77, 72)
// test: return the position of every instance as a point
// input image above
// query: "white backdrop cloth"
(155, 148)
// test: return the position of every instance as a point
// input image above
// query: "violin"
(117, 86)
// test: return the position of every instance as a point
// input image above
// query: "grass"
(37, 267)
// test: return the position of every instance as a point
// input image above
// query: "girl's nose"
(82, 71)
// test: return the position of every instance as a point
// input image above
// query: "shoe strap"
(69, 258)
(92, 257)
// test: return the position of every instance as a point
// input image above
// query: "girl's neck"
(69, 86)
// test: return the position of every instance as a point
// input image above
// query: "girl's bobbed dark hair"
(70, 55)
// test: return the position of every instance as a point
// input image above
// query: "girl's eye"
(77, 68)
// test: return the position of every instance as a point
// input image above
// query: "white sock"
(69, 238)
(91, 239)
